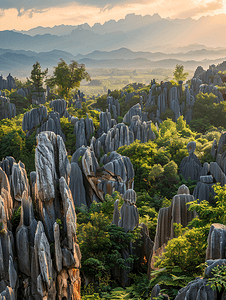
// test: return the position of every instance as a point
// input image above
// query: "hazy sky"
(26, 14)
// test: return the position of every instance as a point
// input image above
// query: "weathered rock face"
(221, 152)
(45, 275)
(205, 88)
(216, 242)
(34, 118)
(204, 189)
(190, 167)
(38, 99)
(83, 131)
(8, 83)
(195, 84)
(7, 109)
(128, 217)
(116, 137)
(198, 289)
(114, 106)
(178, 213)
(134, 111)
(106, 122)
(76, 185)
(90, 182)
(198, 72)
(210, 76)
(60, 106)
(141, 130)
(17, 181)
(36, 266)
(52, 124)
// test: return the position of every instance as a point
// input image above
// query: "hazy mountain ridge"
(19, 62)
(134, 32)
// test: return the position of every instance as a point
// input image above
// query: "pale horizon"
(44, 13)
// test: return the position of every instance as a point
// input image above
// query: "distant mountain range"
(19, 62)
(147, 33)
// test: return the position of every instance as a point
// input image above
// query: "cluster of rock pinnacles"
(40, 259)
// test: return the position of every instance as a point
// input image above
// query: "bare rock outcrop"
(42, 259)
(60, 106)
(128, 217)
(106, 122)
(89, 181)
(141, 130)
(216, 242)
(7, 109)
(34, 117)
(134, 111)
(204, 188)
(178, 213)
(83, 131)
(52, 124)
(114, 106)
(190, 166)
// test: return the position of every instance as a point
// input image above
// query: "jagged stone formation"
(116, 137)
(83, 130)
(34, 118)
(216, 242)
(121, 134)
(210, 76)
(23, 92)
(141, 130)
(106, 122)
(205, 88)
(114, 106)
(178, 213)
(48, 256)
(215, 256)
(128, 218)
(60, 106)
(89, 181)
(39, 116)
(7, 109)
(52, 124)
(204, 188)
(190, 167)
(135, 111)
(8, 83)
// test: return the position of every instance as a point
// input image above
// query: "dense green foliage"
(205, 110)
(66, 77)
(37, 79)
(101, 243)
(179, 73)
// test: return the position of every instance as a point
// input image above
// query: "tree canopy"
(67, 77)
(179, 73)
(37, 79)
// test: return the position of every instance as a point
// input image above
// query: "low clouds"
(42, 4)
(190, 9)
(200, 8)
(27, 14)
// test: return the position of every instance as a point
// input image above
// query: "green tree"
(37, 79)
(67, 77)
(205, 110)
(179, 73)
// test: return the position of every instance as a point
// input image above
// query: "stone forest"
(120, 196)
